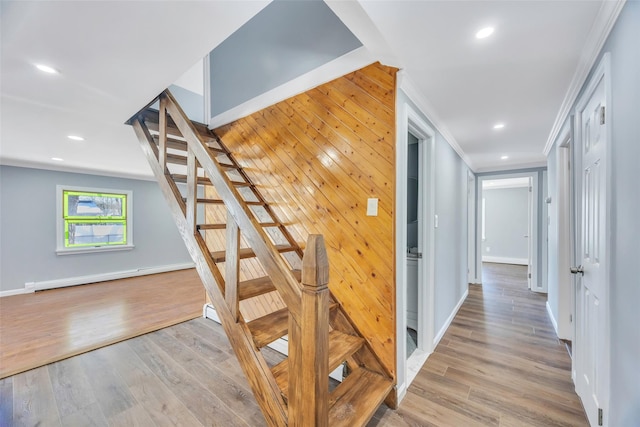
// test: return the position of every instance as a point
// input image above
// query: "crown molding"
(602, 26)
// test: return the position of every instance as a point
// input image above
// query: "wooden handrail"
(309, 342)
(286, 284)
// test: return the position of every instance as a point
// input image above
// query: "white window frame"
(62, 250)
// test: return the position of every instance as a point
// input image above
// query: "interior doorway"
(514, 238)
(566, 252)
(415, 243)
(414, 216)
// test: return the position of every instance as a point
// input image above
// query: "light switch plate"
(435, 222)
(372, 207)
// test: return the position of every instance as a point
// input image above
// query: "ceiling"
(113, 59)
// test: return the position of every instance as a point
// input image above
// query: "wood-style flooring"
(499, 364)
(47, 326)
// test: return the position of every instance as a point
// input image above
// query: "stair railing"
(308, 303)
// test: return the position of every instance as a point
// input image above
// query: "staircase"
(227, 225)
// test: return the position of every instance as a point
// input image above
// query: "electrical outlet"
(487, 249)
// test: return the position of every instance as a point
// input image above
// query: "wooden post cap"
(315, 263)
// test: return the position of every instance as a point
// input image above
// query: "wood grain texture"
(46, 326)
(516, 374)
(262, 383)
(316, 158)
(499, 364)
(308, 388)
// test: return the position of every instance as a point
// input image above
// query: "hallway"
(499, 364)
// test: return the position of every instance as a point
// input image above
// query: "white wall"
(506, 223)
(28, 229)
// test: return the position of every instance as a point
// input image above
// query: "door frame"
(537, 285)
(601, 73)
(565, 209)
(409, 120)
(472, 267)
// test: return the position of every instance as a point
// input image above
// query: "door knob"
(576, 270)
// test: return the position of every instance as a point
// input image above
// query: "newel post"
(309, 342)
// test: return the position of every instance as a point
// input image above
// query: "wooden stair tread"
(211, 226)
(220, 256)
(262, 285)
(202, 180)
(176, 159)
(228, 166)
(151, 118)
(269, 328)
(357, 398)
(176, 144)
(209, 201)
(341, 346)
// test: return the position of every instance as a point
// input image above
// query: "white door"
(591, 291)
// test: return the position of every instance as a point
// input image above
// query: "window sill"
(94, 249)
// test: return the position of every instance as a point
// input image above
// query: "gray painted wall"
(192, 103)
(28, 227)
(451, 234)
(506, 222)
(624, 286)
(542, 195)
(285, 40)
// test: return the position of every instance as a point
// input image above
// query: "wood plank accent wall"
(316, 158)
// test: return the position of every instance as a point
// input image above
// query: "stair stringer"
(258, 374)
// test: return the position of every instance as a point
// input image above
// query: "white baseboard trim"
(12, 292)
(553, 319)
(505, 260)
(447, 323)
(281, 345)
(30, 287)
(345, 64)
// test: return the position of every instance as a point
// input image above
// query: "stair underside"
(341, 346)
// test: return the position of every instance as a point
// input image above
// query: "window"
(93, 220)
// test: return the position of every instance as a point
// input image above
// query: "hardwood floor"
(499, 364)
(40, 328)
(183, 375)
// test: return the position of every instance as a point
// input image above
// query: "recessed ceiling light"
(47, 69)
(498, 126)
(484, 33)
(57, 159)
(504, 157)
(75, 137)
